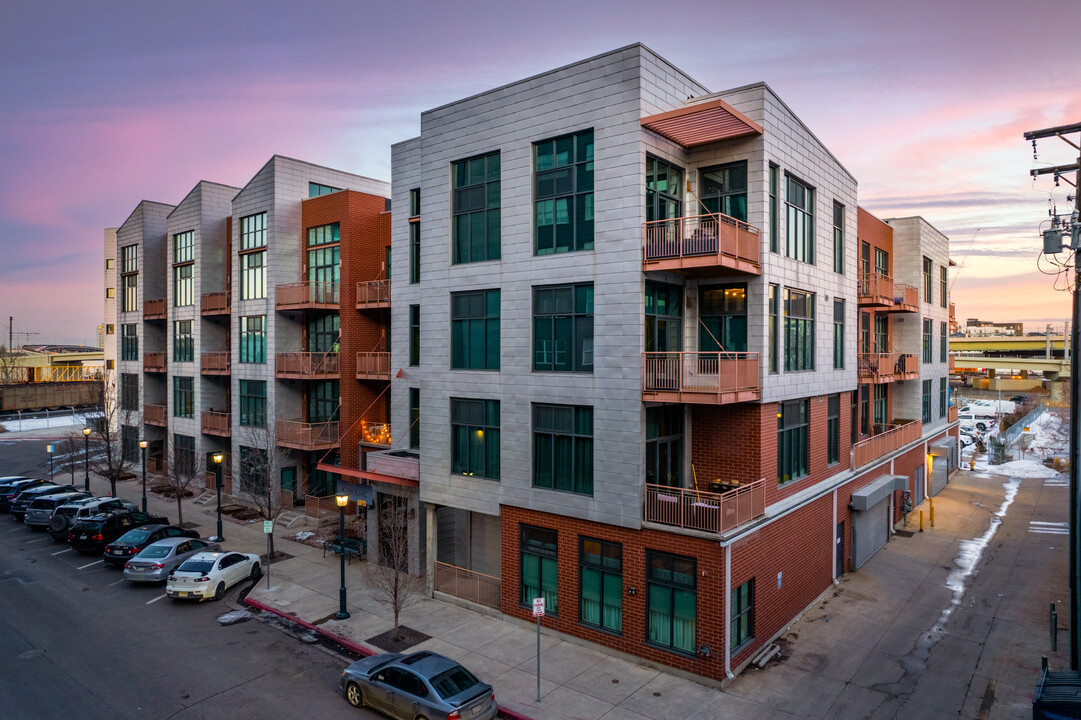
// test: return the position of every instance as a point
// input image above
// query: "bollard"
(1054, 628)
(921, 520)
(932, 502)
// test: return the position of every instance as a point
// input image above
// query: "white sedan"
(210, 574)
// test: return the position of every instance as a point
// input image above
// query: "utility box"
(1057, 696)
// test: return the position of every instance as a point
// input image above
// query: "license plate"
(477, 709)
(182, 594)
(82, 537)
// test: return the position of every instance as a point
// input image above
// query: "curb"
(352, 646)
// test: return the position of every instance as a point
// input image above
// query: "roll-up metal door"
(939, 476)
(870, 530)
(918, 482)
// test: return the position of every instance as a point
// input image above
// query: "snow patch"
(235, 616)
(1022, 469)
(303, 535)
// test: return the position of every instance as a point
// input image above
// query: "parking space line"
(31, 542)
(60, 552)
(15, 529)
(159, 597)
(96, 562)
(118, 582)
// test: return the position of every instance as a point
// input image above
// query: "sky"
(105, 104)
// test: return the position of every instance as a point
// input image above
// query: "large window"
(130, 284)
(129, 391)
(833, 429)
(253, 275)
(600, 566)
(183, 286)
(129, 342)
(664, 445)
(880, 407)
(799, 220)
(799, 330)
(476, 209)
(253, 403)
(316, 189)
(325, 234)
(928, 340)
(865, 409)
(414, 335)
(928, 281)
(724, 189)
(414, 252)
(943, 343)
(184, 247)
(563, 448)
(774, 325)
(253, 231)
(882, 262)
(474, 330)
(324, 401)
(793, 441)
(129, 259)
(942, 397)
(540, 567)
(324, 333)
(324, 272)
(184, 454)
(664, 190)
(414, 202)
(253, 339)
(671, 601)
(926, 401)
(474, 444)
(838, 237)
(742, 615)
(563, 328)
(943, 287)
(663, 318)
(722, 318)
(183, 343)
(183, 397)
(414, 417)
(774, 217)
(563, 211)
(838, 334)
(254, 465)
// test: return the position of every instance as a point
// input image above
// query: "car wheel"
(219, 591)
(354, 695)
(981, 426)
(59, 524)
(256, 573)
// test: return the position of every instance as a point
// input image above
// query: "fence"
(878, 445)
(322, 507)
(707, 511)
(468, 584)
(1014, 431)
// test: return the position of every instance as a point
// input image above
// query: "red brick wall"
(726, 441)
(876, 233)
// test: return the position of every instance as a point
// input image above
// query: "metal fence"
(1014, 431)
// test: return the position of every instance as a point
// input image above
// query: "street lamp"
(342, 501)
(218, 457)
(49, 449)
(86, 456)
(142, 446)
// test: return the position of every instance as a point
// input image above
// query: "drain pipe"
(834, 560)
(727, 613)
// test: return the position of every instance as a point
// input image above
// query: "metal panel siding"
(870, 531)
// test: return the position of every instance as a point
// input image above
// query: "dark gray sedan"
(421, 685)
(157, 560)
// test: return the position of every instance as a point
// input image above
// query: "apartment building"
(628, 355)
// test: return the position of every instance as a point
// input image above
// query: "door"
(917, 498)
(289, 483)
(839, 550)
(870, 530)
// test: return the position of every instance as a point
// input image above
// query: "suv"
(9, 491)
(132, 542)
(67, 515)
(22, 500)
(38, 514)
(91, 535)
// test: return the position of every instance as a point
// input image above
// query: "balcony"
(217, 423)
(154, 415)
(895, 437)
(214, 303)
(215, 363)
(880, 291)
(705, 511)
(373, 294)
(373, 366)
(702, 245)
(375, 433)
(306, 366)
(154, 309)
(706, 378)
(301, 435)
(887, 367)
(154, 362)
(952, 413)
(310, 295)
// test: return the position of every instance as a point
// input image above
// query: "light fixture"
(86, 431)
(218, 457)
(342, 500)
(143, 444)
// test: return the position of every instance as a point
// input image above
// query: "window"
(928, 335)
(838, 238)
(324, 268)
(476, 209)
(723, 318)
(742, 615)
(184, 247)
(664, 190)
(386, 262)
(865, 409)
(600, 567)
(774, 219)
(663, 318)
(129, 443)
(474, 445)
(664, 445)
(926, 401)
(943, 287)
(943, 343)
(724, 189)
(882, 262)
(325, 234)
(253, 275)
(414, 417)
(793, 444)
(254, 466)
(882, 333)
(563, 210)
(315, 189)
(854, 420)
(838, 334)
(110, 293)
(184, 455)
(253, 339)
(129, 259)
(110, 263)
(540, 571)
(129, 391)
(671, 602)
(253, 231)
(129, 342)
(474, 330)
(131, 293)
(110, 364)
(183, 344)
(183, 286)
(324, 333)
(880, 405)
(414, 335)
(183, 397)
(799, 330)
(833, 429)
(414, 202)
(324, 401)
(942, 397)
(110, 329)
(928, 284)
(414, 252)
(774, 311)
(563, 448)
(253, 403)
(563, 328)
(799, 220)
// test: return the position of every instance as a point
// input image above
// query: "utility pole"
(1052, 244)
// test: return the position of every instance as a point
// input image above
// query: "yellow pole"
(921, 520)
(932, 501)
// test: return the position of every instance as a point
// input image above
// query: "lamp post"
(49, 449)
(342, 501)
(86, 456)
(218, 457)
(142, 446)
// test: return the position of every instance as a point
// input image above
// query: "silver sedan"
(158, 560)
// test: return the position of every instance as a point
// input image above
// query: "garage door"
(870, 530)
(939, 476)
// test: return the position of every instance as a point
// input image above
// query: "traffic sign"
(538, 607)
(268, 526)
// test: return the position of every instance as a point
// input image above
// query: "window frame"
(660, 202)
(489, 190)
(799, 220)
(928, 281)
(541, 548)
(253, 405)
(943, 342)
(838, 238)
(799, 331)
(414, 418)
(926, 404)
(253, 340)
(580, 315)
(943, 405)
(579, 199)
(550, 441)
(833, 429)
(253, 232)
(774, 308)
(253, 275)
(928, 340)
(183, 341)
(487, 466)
(774, 218)
(726, 197)
(183, 396)
(129, 342)
(838, 334)
(464, 325)
(609, 566)
(742, 616)
(943, 286)
(672, 585)
(793, 440)
(414, 335)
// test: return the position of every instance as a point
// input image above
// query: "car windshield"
(196, 566)
(133, 537)
(156, 551)
(454, 681)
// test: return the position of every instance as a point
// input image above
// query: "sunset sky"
(104, 104)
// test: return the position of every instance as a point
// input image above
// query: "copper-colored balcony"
(887, 367)
(154, 362)
(215, 363)
(880, 291)
(952, 413)
(217, 423)
(301, 435)
(306, 366)
(896, 436)
(707, 378)
(214, 303)
(702, 245)
(154, 415)
(375, 433)
(309, 295)
(373, 366)
(154, 309)
(373, 294)
(953, 312)
(705, 511)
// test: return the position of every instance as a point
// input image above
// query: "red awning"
(366, 475)
(702, 123)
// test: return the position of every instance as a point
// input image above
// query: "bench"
(349, 547)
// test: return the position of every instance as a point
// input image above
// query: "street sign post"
(538, 612)
(268, 528)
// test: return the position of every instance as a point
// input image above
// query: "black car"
(90, 536)
(9, 491)
(132, 542)
(70, 513)
(1019, 399)
(22, 500)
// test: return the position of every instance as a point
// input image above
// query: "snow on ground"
(37, 423)
(1021, 469)
(1049, 438)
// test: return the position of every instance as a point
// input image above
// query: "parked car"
(132, 542)
(423, 684)
(1019, 399)
(22, 500)
(210, 574)
(974, 422)
(67, 515)
(41, 509)
(157, 561)
(10, 491)
(92, 534)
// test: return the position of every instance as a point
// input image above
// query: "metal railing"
(305, 435)
(874, 447)
(217, 423)
(373, 364)
(373, 292)
(307, 294)
(154, 414)
(215, 363)
(952, 416)
(701, 236)
(883, 367)
(709, 373)
(154, 362)
(468, 584)
(877, 287)
(306, 364)
(154, 309)
(1014, 431)
(214, 303)
(705, 511)
(321, 507)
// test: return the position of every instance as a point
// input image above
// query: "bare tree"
(388, 577)
(71, 452)
(260, 470)
(181, 473)
(10, 372)
(106, 438)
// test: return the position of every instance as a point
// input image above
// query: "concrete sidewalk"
(892, 640)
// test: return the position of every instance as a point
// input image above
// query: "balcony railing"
(307, 295)
(306, 365)
(154, 414)
(952, 413)
(154, 362)
(702, 242)
(373, 366)
(226, 480)
(375, 433)
(154, 309)
(214, 303)
(323, 507)
(217, 423)
(878, 290)
(373, 294)
(897, 436)
(302, 435)
(705, 511)
(887, 367)
(214, 363)
(468, 584)
(712, 378)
